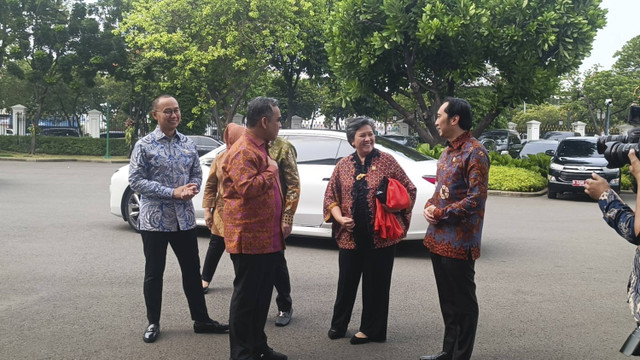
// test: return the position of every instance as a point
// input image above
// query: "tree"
(60, 46)
(218, 59)
(546, 114)
(13, 28)
(428, 49)
(628, 58)
(609, 84)
(310, 61)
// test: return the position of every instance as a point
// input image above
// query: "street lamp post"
(607, 103)
(108, 154)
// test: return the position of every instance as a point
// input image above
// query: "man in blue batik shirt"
(165, 170)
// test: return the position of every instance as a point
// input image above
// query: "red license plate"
(579, 182)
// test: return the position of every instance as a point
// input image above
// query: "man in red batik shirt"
(253, 235)
(455, 214)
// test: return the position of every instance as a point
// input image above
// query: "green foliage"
(629, 56)
(426, 50)
(627, 181)
(433, 151)
(216, 48)
(54, 145)
(506, 178)
(546, 114)
(538, 163)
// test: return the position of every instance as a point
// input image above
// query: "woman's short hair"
(354, 124)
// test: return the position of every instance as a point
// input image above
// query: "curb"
(517, 194)
(109, 161)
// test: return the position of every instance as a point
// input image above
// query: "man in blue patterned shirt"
(622, 219)
(165, 170)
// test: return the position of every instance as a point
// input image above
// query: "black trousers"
(185, 246)
(458, 303)
(375, 267)
(211, 260)
(283, 284)
(252, 289)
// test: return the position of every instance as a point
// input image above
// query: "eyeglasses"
(169, 112)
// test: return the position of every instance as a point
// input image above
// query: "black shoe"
(439, 356)
(210, 326)
(284, 317)
(151, 334)
(270, 354)
(358, 340)
(632, 345)
(335, 334)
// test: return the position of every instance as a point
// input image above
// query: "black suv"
(502, 141)
(60, 131)
(572, 164)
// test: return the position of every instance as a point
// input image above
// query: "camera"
(616, 147)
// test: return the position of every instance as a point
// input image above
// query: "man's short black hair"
(258, 108)
(155, 102)
(460, 107)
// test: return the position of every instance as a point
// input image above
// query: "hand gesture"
(634, 168)
(185, 192)
(595, 186)
(428, 214)
(347, 223)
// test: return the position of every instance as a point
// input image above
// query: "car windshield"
(558, 135)
(535, 147)
(578, 148)
(402, 149)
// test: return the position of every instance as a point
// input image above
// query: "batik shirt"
(350, 171)
(158, 165)
(252, 199)
(621, 218)
(460, 195)
(284, 153)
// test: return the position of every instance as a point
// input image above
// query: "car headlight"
(615, 181)
(555, 166)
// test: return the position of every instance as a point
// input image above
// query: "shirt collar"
(457, 142)
(257, 141)
(160, 135)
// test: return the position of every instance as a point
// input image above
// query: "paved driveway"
(551, 282)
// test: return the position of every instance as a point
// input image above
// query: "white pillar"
(533, 130)
(92, 124)
(296, 122)
(403, 128)
(579, 127)
(19, 120)
(237, 119)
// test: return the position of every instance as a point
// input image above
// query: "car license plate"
(579, 182)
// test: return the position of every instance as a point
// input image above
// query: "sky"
(622, 26)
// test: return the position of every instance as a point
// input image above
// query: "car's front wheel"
(131, 208)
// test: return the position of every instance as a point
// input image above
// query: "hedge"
(55, 145)
(506, 178)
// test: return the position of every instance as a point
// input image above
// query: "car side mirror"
(550, 152)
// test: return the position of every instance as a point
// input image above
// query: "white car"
(318, 152)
